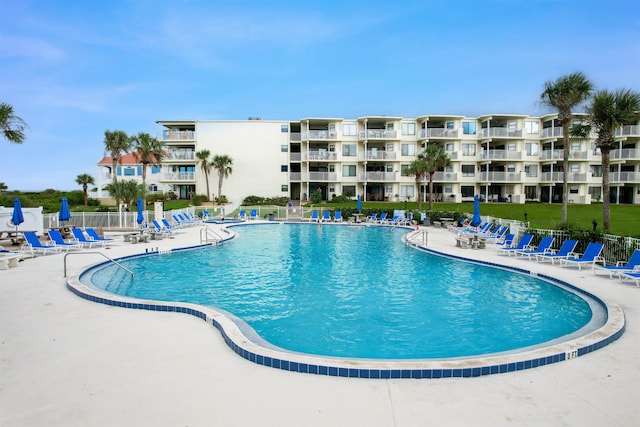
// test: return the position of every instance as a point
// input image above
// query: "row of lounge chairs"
(326, 217)
(58, 244)
(395, 220)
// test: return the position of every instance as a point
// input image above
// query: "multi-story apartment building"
(501, 157)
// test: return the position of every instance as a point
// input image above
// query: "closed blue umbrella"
(359, 204)
(140, 217)
(476, 220)
(65, 214)
(17, 218)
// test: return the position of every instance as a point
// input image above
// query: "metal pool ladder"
(94, 252)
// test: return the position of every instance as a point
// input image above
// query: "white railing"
(320, 155)
(178, 176)
(624, 176)
(319, 134)
(177, 135)
(377, 134)
(551, 133)
(322, 176)
(443, 176)
(500, 133)
(295, 137)
(173, 156)
(379, 155)
(624, 154)
(630, 130)
(559, 176)
(295, 176)
(551, 155)
(500, 155)
(438, 133)
(500, 176)
(377, 176)
(295, 157)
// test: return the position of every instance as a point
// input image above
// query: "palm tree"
(3, 187)
(127, 191)
(222, 163)
(148, 150)
(84, 180)
(564, 94)
(417, 169)
(13, 127)
(435, 158)
(607, 112)
(205, 165)
(116, 142)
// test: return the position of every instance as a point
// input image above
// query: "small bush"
(198, 199)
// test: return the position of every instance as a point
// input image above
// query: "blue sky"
(72, 69)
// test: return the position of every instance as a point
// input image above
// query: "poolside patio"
(66, 361)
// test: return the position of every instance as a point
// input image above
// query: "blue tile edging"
(366, 368)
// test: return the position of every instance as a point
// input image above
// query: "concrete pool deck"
(65, 361)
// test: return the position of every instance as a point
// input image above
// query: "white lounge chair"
(591, 256)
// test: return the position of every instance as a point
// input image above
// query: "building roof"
(125, 159)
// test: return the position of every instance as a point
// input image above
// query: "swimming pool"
(392, 307)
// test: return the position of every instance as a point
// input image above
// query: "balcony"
(625, 177)
(438, 133)
(453, 155)
(500, 133)
(295, 157)
(377, 155)
(500, 176)
(625, 154)
(551, 155)
(295, 176)
(295, 137)
(378, 134)
(322, 176)
(443, 177)
(631, 130)
(177, 135)
(559, 176)
(180, 156)
(377, 176)
(551, 133)
(320, 156)
(500, 155)
(178, 176)
(319, 135)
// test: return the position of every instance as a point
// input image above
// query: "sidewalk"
(65, 361)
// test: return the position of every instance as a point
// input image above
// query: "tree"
(435, 158)
(3, 187)
(609, 111)
(418, 169)
(127, 191)
(116, 142)
(564, 94)
(84, 180)
(13, 127)
(205, 165)
(222, 164)
(148, 150)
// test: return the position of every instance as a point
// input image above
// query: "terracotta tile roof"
(125, 159)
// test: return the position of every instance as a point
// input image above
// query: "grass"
(625, 219)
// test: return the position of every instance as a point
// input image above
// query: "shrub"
(198, 199)
(340, 199)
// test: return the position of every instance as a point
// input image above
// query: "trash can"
(271, 217)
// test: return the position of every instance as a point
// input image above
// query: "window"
(596, 171)
(390, 147)
(332, 168)
(448, 189)
(129, 172)
(119, 170)
(573, 189)
(469, 128)
(284, 148)
(575, 168)
(449, 125)
(408, 128)
(349, 129)
(530, 192)
(284, 168)
(349, 190)
(468, 149)
(531, 170)
(332, 189)
(531, 148)
(332, 148)
(348, 170)
(511, 168)
(284, 188)
(388, 189)
(389, 126)
(448, 147)
(408, 149)
(139, 171)
(448, 168)
(284, 128)
(595, 193)
(407, 191)
(467, 190)
(532, 127)
(389, 168)
(155, 169)
(511, 146)
(468, 170)
(404, 170)
(349, 150)
(153, 187)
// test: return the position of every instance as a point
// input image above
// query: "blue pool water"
(355, 292)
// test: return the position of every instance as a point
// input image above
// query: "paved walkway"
(65, 361)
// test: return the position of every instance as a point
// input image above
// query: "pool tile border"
(374, 369)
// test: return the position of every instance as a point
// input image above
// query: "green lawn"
(625, 219)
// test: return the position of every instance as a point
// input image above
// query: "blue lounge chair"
(326, 216)
(160, 229)
(497, 235)
(372, 218)
(314, 217)
(84, 241)
(631, 275)
(58, 240)
(34, 245)
(591, 256)
(383, 218)
(621, 266)
(565, 251)
(93, 234)
(507, 242)
(394, 220)
(523, 244)
(242, 215)
(169, 227)
(254, 214)
(338, 216)
(543, 247)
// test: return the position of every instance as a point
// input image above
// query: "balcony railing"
(377, 176)
(377, 155)
(177, 135)
(295, 157)
(453, 155)
(178, 176)
(500, 155)
(551, 133)
(319, 134)
(295, 137)
(625, 154)
(178, 156)
(377, 134)
(631, 130)
(443, 177)
(500, 133)
(559, 176)
(551, 155)
(438, 133)
(624, 176)
(320, 155)
(500, 176)
(295, 176)
(322, 176)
